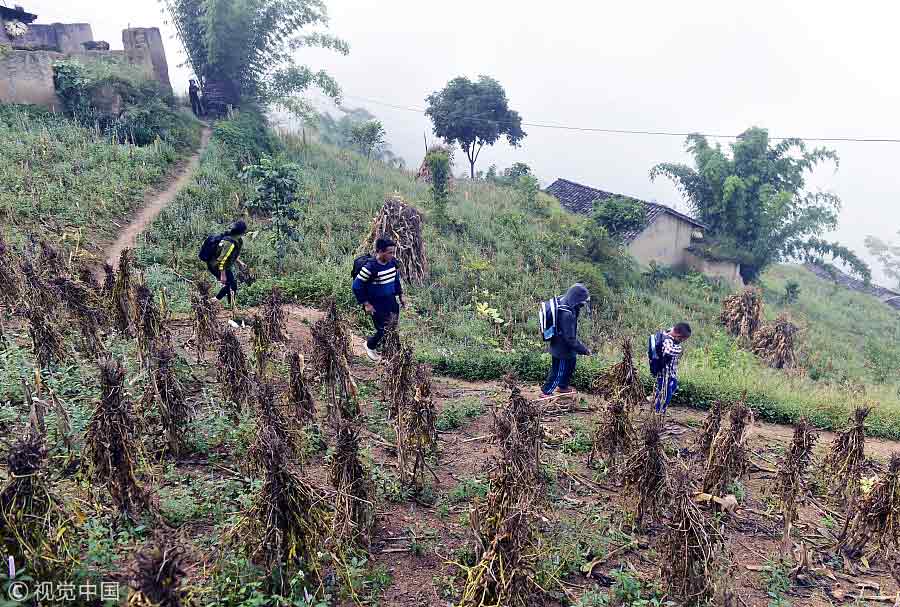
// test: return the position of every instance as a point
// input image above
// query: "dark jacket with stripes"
(379, 284)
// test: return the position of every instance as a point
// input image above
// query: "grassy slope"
(61, 180)
(512, 257)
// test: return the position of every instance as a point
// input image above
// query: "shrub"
(245, 137)
(438, 162)
(619, 214)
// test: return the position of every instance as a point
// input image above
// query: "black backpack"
(359, 262)
(655, 352)
(209, 247)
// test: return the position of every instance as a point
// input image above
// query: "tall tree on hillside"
(888, 255)
(368, 137)
(755, 203)
(242, 49)
(474, 114)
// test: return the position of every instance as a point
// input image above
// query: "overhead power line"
(563, 127)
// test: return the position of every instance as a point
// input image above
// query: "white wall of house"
(664, 241)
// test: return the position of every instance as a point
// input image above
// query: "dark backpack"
(209, 247)
(359, 263)
(547, 315)
(655, 352)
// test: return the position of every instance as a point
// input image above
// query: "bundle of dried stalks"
(36, 292)
(877, 519)
(50, 261)
(11, 280)
(35, 525)
(402, 224)
(274, 317)
(86, 306)
(174, 411)
(299, 398)
(774, 343)
(261, 343)
(621, 382)
(398, 379)
(206, 330)
(728, 459)
(111, 448)
(843, 462)
(416, 431)
(354, 512)
(122, 299)
(505, 536)
(614, 434)
(109, 283)
(646, 473)
(159, 575)
(789, 480)
(233, 372)
(149, 323)
(288, 521)
(742, 313)
(691, 548)
(331, 362)
(517, 428)
(269, 416)
(46, 337)
(710, 428)
(391, 344)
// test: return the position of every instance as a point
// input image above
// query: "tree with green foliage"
(368, 137)
(474, 114)
(888, 255)
(619, 214)
(243, 49)
(755, 203)
(277, 185)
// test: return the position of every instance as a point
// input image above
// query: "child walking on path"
(664, 350)
(564, 345)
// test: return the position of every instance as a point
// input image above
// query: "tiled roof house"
(665, 239)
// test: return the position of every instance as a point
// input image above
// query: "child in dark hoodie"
(564, 345)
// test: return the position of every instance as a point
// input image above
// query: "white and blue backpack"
(547, 315)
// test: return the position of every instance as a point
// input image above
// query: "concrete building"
(667, 238)
(28, 50)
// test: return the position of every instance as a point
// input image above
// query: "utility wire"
(563, 127)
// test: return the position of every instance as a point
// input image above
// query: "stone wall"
(60, 37)
(726, 271)
(26, 71)
(148, 40)
(27, 77)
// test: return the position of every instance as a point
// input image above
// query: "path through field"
(154, 202)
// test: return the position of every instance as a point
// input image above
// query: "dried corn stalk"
(111, 448)
(728, 459)
(614, 434)
(416, 431)
(843, 462)
(646, 473)
(621, 382)
(402, 224)
(789, 481)
(877, 518)
(774, 343)
(742, 313)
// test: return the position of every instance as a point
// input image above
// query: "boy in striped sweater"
(667, 377)
(377, 288)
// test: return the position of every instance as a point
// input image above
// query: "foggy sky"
(808, 69)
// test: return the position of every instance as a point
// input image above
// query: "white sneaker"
(372, 354)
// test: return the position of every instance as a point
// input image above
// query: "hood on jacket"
(576, 296)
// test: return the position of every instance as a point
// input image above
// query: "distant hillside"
(507, 251)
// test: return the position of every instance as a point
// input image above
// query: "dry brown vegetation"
(742, 313)
(402, 224)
